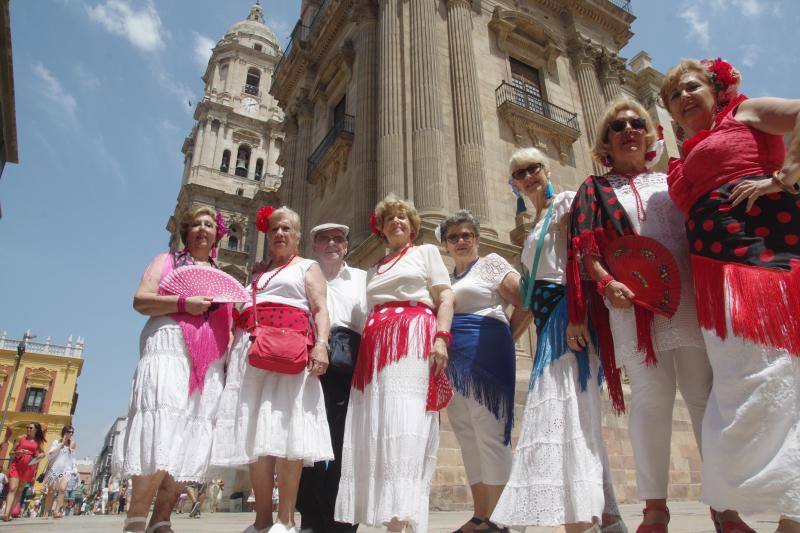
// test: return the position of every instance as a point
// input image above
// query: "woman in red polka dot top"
(738, 189)
(659, 354)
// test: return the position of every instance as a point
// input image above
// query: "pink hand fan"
(195, 280)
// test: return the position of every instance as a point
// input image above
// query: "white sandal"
(134, 520)
(252, 529)
(155, 527)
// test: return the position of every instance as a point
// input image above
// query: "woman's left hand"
(318, 360)
(751, 190)
(438, 355)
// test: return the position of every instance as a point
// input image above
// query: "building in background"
(101, 473)
(428, 99)
(45, 388)
(85, 468)
(230, 156)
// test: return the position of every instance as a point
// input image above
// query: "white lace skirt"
(751, 430)
(168, 429)
(389, 452)
(266, 413)
(560, 474)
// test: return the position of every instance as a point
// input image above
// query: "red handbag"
(276, 349)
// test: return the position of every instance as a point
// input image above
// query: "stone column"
(206, 147)
(391, 174)
(365, 141)
(299, 197)
(584, 55)
(611, 68)
(199, 139)
(430, 185)
(287, 158)
(470, 158)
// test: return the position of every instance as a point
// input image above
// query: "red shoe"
(729, 526)
(654, 528)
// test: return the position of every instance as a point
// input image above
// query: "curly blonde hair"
(673, 77)
(190, 215)
(393, 204)
(602, 147)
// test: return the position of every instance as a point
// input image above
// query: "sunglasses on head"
(619, 124)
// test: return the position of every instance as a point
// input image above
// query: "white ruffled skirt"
(265, 413)
(168, 430)
(560, 473)
(751, 429)
(389, 452)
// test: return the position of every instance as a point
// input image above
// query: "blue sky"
(102, 92)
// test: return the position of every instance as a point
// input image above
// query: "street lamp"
(21, 347)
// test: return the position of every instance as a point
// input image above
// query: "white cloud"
(142, 27)
(185, 95)
(748, 8)
(698, 26)
(53, 91)
(750, 56)
(202, 49)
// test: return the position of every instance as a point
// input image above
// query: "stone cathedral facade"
(230, 156)
(428, 99)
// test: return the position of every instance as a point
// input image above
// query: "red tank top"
(729, 151)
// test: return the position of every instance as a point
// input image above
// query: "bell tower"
(231, 153)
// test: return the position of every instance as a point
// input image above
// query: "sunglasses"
(521, 173)
(619, 124)
(466, 236)
(323, 239)
(31, 427)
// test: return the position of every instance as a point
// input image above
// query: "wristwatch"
(325, 344)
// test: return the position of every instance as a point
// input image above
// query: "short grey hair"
(462, 216)
(529, 154)
(290, 215)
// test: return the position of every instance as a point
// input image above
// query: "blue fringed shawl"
(483, 364)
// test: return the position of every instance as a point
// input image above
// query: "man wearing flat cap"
(347, 306)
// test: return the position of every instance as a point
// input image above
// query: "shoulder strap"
(538, 255)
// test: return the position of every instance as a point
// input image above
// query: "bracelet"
(603, 283)
(181, 304)
(793, 189)
(446, 335)
(324, 343)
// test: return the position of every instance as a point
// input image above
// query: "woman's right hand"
(619, 295)
(577, 336)
(197, 305)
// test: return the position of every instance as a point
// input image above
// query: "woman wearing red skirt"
(27, 448)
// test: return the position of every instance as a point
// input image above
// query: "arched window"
(234, 236)
(243, 161)
(226, 161)
(253, 80)
(259, 169)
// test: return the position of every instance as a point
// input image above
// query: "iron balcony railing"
(299, 35)
(622, 4)
(508, 93)
(343, 126)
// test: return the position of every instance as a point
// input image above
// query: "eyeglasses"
(619, 124)
(31, 427)
(324, 239)
(521, 173)
(466, 236)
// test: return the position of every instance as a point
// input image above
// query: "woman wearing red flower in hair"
(738, 189)
(392, 430)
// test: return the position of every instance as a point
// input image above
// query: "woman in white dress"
(270, 420)
(178, 381)
(60, 468)
(560, 475)
(482, 366)
(392, 427)
(659, 354)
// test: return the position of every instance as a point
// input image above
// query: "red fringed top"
(729, 151)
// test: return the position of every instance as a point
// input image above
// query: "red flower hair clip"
(722, 73)
(262, 219)
(222, 228)
(373, 223)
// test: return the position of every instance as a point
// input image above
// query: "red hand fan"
(195, 280)
(439, 391)
(649, 270)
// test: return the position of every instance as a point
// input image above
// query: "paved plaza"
(687, 517)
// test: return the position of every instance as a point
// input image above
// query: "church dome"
(253, 29)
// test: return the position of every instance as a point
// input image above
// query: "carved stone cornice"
(364, 12)
(522, 36)
(335, 74)
(611, 65)
(534, 128)
(583, 51)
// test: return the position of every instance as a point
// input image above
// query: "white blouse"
(664, 223)
(477, 292)
(553, 259)
(410, 279)
(287, 287)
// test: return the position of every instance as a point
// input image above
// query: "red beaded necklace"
(386, 259)
(631, 177)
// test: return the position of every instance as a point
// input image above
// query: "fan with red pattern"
(195, 280)
(649, 270)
